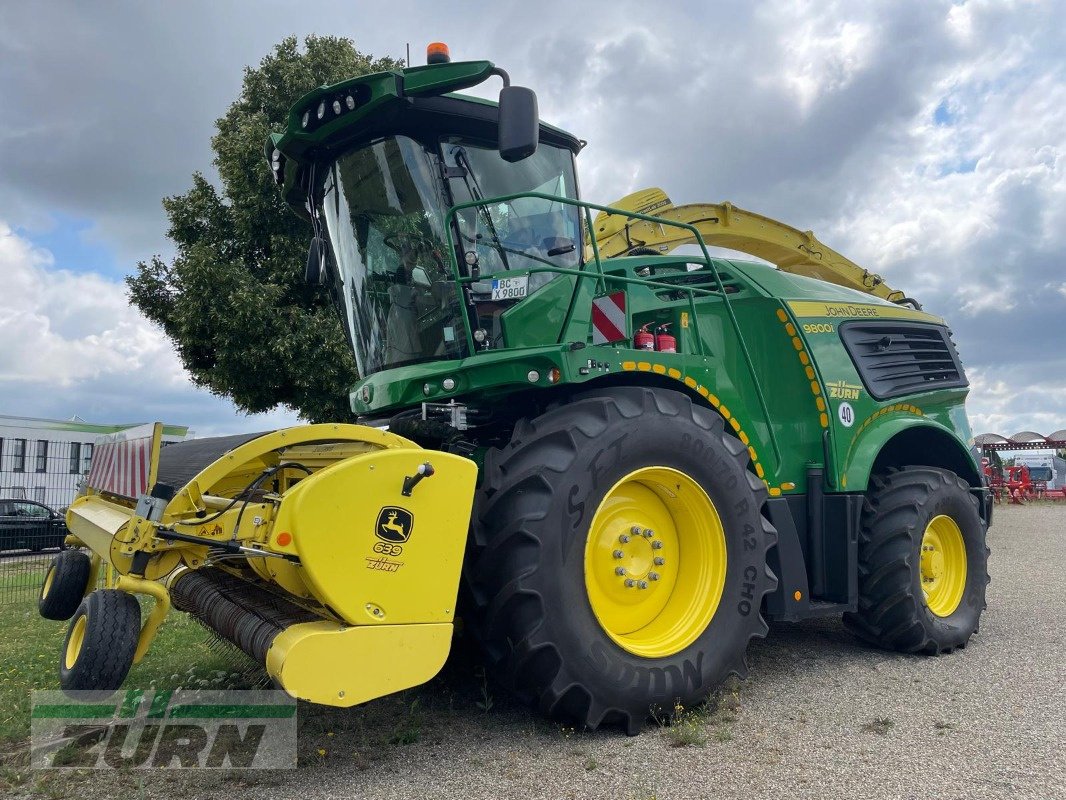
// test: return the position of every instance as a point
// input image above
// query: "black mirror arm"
(503, 76)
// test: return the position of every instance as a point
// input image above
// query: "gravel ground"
(820, 716)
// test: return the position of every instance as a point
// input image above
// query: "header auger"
(631, 456)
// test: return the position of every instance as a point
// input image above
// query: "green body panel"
(759, 345)
(785, 439)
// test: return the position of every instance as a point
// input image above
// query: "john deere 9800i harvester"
(617, 459)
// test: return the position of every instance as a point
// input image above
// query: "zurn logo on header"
(183, 729)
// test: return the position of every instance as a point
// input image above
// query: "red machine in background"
(1012, 482)
(1016, 482)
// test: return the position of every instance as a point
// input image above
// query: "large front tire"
(580, 612)
(923, 563)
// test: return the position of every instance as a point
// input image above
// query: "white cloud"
(1005, 401)
(923, 138)
(61, 328)
(72, 344)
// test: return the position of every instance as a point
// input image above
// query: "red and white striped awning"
(1023, 440)
(121, 466)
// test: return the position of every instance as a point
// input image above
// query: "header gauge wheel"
(618, 557)
(64, 585)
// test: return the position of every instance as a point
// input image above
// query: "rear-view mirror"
(519, 127)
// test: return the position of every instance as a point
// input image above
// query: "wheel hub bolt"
(619, 554)
(624, 538)
(619, 570)
(636, 530)
(630, 582)
(648, 533)
(653, 576)
(656, 545)
(659, 561)
(643, 584)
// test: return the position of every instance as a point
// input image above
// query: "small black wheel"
(618, 557)
(64, 585)
(98, 651)
(923, 563)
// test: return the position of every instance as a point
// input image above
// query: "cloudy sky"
(926, 140)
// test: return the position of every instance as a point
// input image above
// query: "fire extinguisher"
(664, 342)
(643, 340)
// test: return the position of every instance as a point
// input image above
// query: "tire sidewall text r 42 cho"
(537, 502)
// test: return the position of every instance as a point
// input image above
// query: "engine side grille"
(897, 358)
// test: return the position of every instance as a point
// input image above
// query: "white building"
(46, 459)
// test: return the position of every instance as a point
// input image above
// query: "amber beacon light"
(437, 53)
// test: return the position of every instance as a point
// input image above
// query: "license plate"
(509, 288)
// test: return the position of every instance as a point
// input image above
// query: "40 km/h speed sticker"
(846, 414)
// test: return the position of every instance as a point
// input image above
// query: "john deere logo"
(395, 524)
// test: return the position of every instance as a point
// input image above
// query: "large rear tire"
(618, 557)
(923, 563)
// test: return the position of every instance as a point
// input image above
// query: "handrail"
(587, 206)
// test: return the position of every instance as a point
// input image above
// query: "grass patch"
(21, 579)
(881, 726)
(186, 655)
(29, 653)
(692, 727)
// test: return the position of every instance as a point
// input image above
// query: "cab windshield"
(523, 233)
(383, 206)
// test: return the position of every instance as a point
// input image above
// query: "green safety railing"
(603, 278)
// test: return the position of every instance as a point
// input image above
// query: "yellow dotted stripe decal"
(897, 408)
(905, 408)
(808, 367)
(732, 421)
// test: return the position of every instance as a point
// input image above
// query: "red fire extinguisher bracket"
(643, 339)
(665, 342)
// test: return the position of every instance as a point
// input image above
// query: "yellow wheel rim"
(74, 643)
(48, 581)
(943, 565)
(655, 562)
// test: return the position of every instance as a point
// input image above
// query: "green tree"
(233, 299)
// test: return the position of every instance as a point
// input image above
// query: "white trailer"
(1046, 467)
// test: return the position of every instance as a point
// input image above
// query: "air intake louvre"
(698, 279)
(897, 358)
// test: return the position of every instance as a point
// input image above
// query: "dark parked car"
(27, 525)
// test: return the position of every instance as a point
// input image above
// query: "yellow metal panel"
(95, 521)
(725, 225)
(157, 444)
(327, 663)
(818, 308)
(372, 555)
(237, 467)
